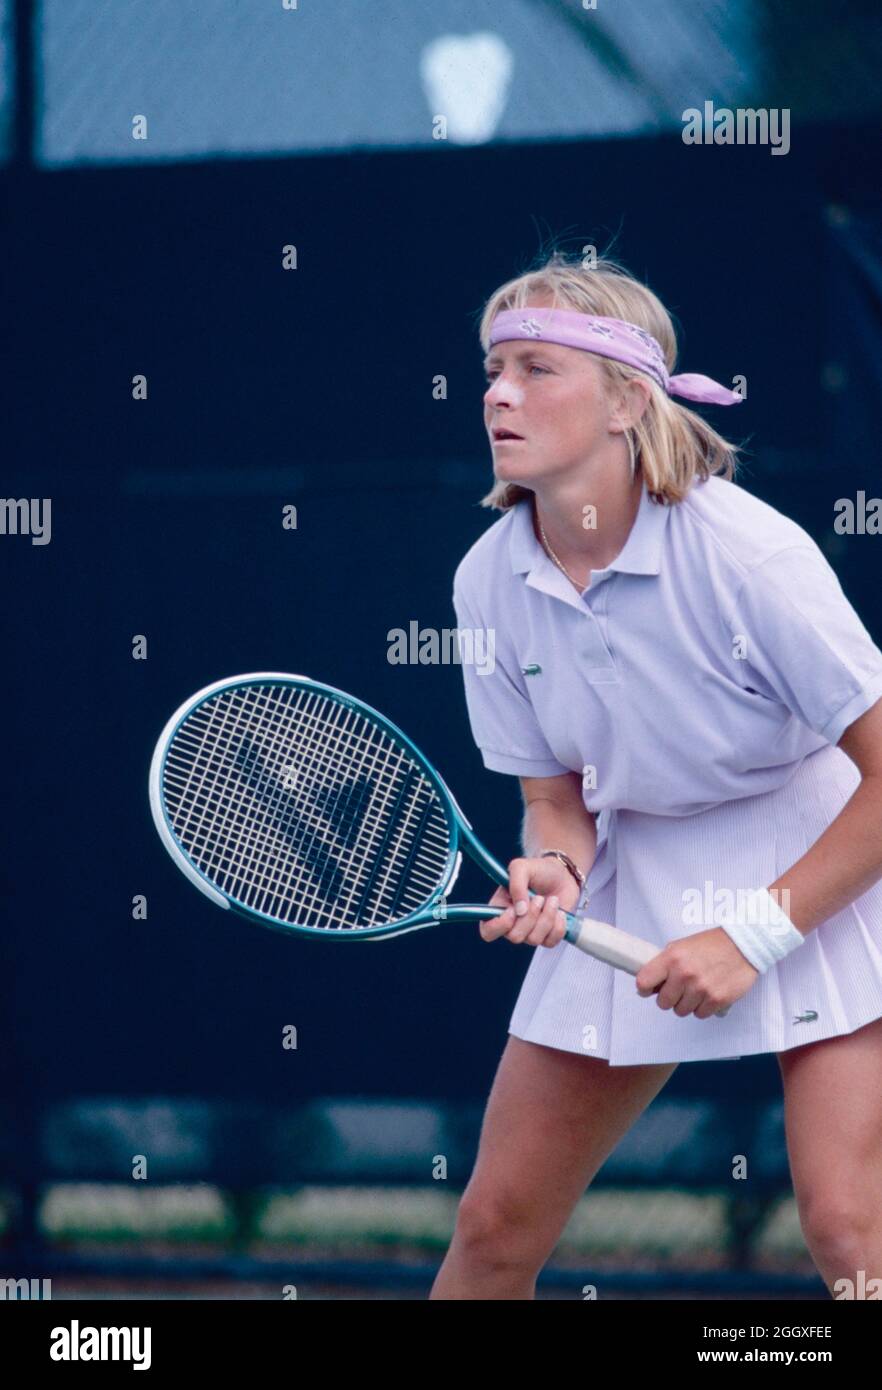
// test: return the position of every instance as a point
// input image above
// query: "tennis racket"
(307, 811)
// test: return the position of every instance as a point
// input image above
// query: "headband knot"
(614, 338)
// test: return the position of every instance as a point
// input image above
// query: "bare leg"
(551, 1121)
(833, 1120)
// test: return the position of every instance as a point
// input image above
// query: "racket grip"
(618, 948)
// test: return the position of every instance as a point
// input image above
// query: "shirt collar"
(641, 553)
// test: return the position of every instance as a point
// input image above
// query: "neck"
(587, 525)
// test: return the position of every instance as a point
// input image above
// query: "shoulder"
(485, 559)
(738, 531)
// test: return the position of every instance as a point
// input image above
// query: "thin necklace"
(561, 566)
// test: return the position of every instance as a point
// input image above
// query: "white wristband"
(761, 930)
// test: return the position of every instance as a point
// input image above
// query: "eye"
(533, 367)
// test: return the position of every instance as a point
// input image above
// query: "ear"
(628, 405)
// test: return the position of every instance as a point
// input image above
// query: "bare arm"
(846, 859)
(554, 818)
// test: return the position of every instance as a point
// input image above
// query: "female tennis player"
(693, 710)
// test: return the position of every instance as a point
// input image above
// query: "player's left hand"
(697, 974)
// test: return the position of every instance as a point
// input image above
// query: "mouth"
(502, 436)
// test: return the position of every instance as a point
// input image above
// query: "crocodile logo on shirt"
(532, 670)
(808, 1016)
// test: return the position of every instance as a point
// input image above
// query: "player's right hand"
(537, 920)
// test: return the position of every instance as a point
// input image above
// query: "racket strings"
(254, 868)
(310, 847)
(300, 807)
(253, 848)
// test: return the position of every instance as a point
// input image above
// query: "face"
(554, 399)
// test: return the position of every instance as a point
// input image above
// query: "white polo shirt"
(698, 684)
(702, 665)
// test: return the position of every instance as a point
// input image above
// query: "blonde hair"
(672, 445)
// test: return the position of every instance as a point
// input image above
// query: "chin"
(512, 475)
(509, 471)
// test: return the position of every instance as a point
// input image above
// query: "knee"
(493, 1228)
(838, 1227)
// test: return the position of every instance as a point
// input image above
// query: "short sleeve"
(804, 643)
(503, 721)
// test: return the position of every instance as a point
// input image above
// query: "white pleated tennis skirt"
(829, 986)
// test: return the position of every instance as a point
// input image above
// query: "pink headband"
(610, 338)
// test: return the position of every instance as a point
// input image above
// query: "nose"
(498, 391)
